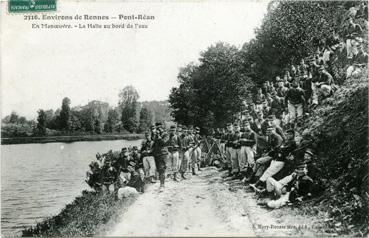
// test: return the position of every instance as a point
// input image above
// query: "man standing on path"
(173, 145)
(160, 152)
(235, 155)
(147, 158)
(229, 148)
(197, 139)
(248, 150)
(185, 147)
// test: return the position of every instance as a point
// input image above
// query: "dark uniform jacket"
(248, 138)
(295, 96)
(173, 143)
(274, 142)
(229, 139)
(146, 148)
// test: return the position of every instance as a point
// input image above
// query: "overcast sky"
(41, 67)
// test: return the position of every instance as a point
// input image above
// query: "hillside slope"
(339, 130)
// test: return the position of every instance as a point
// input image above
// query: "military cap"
(309, 151)
(229, 124)
(184, 128)
(290, 131)
(197, 128)
(124, 149)
(134, 148)
(246, 123)
(158, 124)
(235, 124)
(172, 127)
(271, 117)
(270, 128)
(152, 127)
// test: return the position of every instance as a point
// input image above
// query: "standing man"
(185, 148)
(148, 158)
(248, 150)
(173, 145)
(236, 155)
(160, 152)
(229, 148)
(197, 139)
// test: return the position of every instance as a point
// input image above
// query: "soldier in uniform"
(186, 150)
(229, 148)
(148, 159)
(192, 150)
(197, 148)
(248, 143)
(235, 155)
(160, 153)
(173, 145)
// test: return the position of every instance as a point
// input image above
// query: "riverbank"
(69, 139)
(91, 214)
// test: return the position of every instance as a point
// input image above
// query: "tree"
(41, 122)
(146, 119)
(13, 117)
(128, 98)
(211, 93)
(65, 114)
(22, 120)
(113, 118)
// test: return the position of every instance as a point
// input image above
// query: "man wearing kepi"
(185, 147)
(248, 150)
(173, 145)
(160, 152)
(197, 149)
(229, 148)
(147, 158)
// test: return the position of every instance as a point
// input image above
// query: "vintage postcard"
(184, 118)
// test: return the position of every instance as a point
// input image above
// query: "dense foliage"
(213, 92)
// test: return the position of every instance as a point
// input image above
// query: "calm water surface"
(38, 180)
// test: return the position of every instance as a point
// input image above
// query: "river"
(38, 180)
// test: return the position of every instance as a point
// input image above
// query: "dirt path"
(200, 206)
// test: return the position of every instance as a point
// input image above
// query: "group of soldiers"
(268, 159)
(171, 153)
(164, 154)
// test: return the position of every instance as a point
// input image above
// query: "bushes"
(89, 215)
(340, 129)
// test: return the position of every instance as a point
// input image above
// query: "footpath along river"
(38, 180)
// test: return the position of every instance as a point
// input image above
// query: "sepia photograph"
(185, 118)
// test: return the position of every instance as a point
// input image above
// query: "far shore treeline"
(97, 117)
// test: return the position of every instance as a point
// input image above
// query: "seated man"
(324, 83)
(279, 155)
(272, 122)
(295, 187)
(295, 100)
(274, 142)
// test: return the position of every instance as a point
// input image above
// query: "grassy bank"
(88, 215)
(68, 139)
(339, 127)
